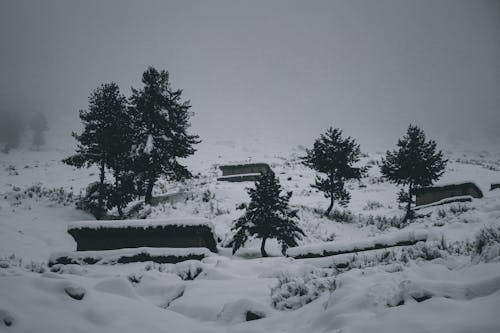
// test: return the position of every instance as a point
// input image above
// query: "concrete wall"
(432, 194)
(120, 238)
(230, 170)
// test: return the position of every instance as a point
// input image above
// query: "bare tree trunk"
(409, 213)
(117, 186)
(100, 200)
(329, 210)
(263, 248)
(149, 191)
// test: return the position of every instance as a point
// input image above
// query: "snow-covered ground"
(451, 283)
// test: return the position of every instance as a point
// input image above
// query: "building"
(433, 194)
(243, 172)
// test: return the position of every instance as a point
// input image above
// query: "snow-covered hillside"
(450, 283)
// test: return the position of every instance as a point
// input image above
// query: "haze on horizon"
(278, 70)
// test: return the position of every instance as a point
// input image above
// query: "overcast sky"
(276, 69)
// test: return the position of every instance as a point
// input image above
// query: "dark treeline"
(14, 125)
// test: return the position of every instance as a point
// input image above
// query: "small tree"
(334, 157)
(106, 142)
(268, 216)
(161, 121)
(415, 164)
(38, 124)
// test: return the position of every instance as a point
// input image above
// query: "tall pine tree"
(268, 216)
(161, 122)
(416, 163)
(105, 141)
(334, 157)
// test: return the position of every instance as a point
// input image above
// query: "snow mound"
(243, 310)
(117, 286)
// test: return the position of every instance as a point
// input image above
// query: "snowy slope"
(441, 285)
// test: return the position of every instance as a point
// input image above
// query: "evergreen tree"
(38, 124)
(106, 142)
(415, 164)
(161, 121)
(268, 216)
(334, 157)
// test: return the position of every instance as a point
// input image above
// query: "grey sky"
(277, 69)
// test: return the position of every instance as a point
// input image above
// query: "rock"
(254, 316)
(75, 292)
(243, 310)
(7, 318)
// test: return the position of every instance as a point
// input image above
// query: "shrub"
(371, 205)
(90, 201)
(383, 222)
(487, 243)
(292, 293)
(459, 209)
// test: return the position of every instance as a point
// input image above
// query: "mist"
(275, 70)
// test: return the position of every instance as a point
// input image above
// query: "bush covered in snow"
(383, 223)
(39, 192)
(187, 270)
(487, 244)
(293, 292)
(371, 205)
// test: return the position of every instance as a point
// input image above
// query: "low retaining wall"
(123, 256)
(120, 234)
(429, 195)
(335, 248)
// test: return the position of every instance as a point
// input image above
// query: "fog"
(277, 70)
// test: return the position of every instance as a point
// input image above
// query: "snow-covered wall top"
(112, 224)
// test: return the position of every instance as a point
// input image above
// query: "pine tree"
(106, 141)
(161, 121)
(38, 124)
(415, 164)
(334, 157)
(268, 216)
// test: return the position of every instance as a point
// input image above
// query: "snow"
(442, 285)
(148, 148)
